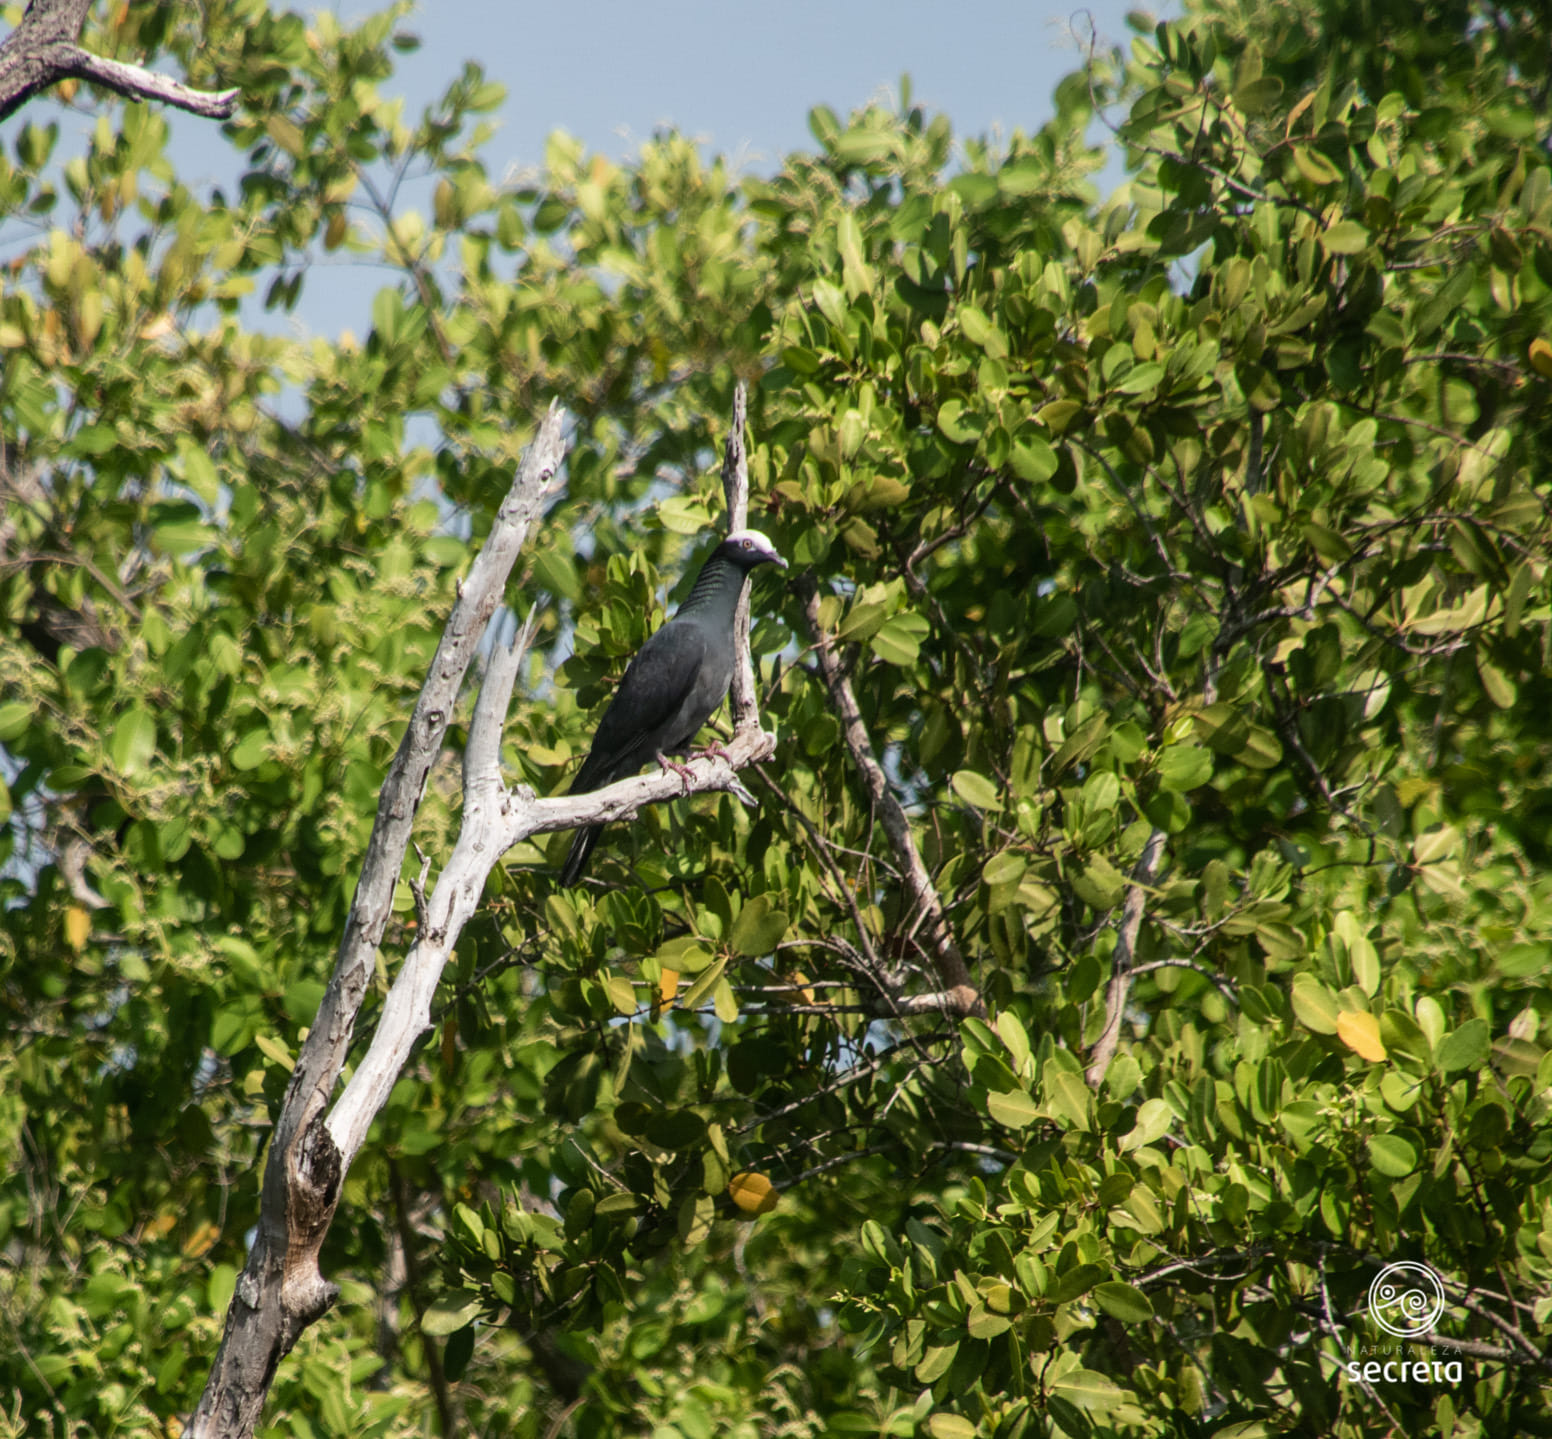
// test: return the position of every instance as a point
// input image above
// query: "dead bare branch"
(281, 1290)
(43, 50)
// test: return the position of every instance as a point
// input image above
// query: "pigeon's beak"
(778, 561)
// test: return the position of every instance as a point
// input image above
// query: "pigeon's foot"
(682, 770)
(712, 749)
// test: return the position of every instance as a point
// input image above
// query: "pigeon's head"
(748, 548)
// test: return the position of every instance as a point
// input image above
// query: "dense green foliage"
(1213, 511)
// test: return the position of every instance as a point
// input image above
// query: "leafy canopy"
(1208, 515)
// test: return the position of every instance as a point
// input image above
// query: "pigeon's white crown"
(760, 542)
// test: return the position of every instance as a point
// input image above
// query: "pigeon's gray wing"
(657, 707)
(656, 700)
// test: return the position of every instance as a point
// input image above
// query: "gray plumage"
(674, 684)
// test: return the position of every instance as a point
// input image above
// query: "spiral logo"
(1406, 1300)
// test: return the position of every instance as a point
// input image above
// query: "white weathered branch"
(482, 752)
(735, 488)
(281, 1290)
(43, 49)
(494, 819)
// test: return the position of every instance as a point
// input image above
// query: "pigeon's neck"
(716, 590)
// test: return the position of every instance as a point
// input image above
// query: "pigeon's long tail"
(581, 847)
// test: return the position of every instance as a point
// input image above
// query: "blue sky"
(738, 77)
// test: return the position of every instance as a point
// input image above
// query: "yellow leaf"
(753, 1193)
(200, 1240)
(78, 927)
(1360, 1032)
(1541, 357)
(797, 991)
(666, 992)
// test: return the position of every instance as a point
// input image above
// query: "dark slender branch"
(1223, 986)
(950, 963)
(1120, 987)
(447, 1411)
(869, 956)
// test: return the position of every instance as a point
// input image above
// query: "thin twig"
(1120, 986)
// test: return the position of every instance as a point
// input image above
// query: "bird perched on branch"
(674, 684)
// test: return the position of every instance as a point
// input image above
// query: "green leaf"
(1314, 166)
(950, 1426)
(687, 954)
(1058, 416)
(706, 981)
(132, 742)
(1067, 1097)
(450, 1312)
(956, 424)
(1497, 685)
(1184, 767)
(1123, 1301)
(1088, 1391)
(724, 1002)
(1032, 459)
(1154, 1118)
(621, 992)
(1142, 379)
(1006, 867)
(1230, 733)
(1012, 1033)
(680, 514)
(1346, 237)
(935, 1362)
(975, 789)
(1392, 1155)
(252, 749)
(831, 300)
(1314, 1005)
(1258, 96)
(1076, 1279)
(863, 620)
(14, 719)
(1081, 743)
(1464, 1048)
(1013, 1109)
(983, 1324)
(758, 928)
(898, 642)
(676, 1129)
